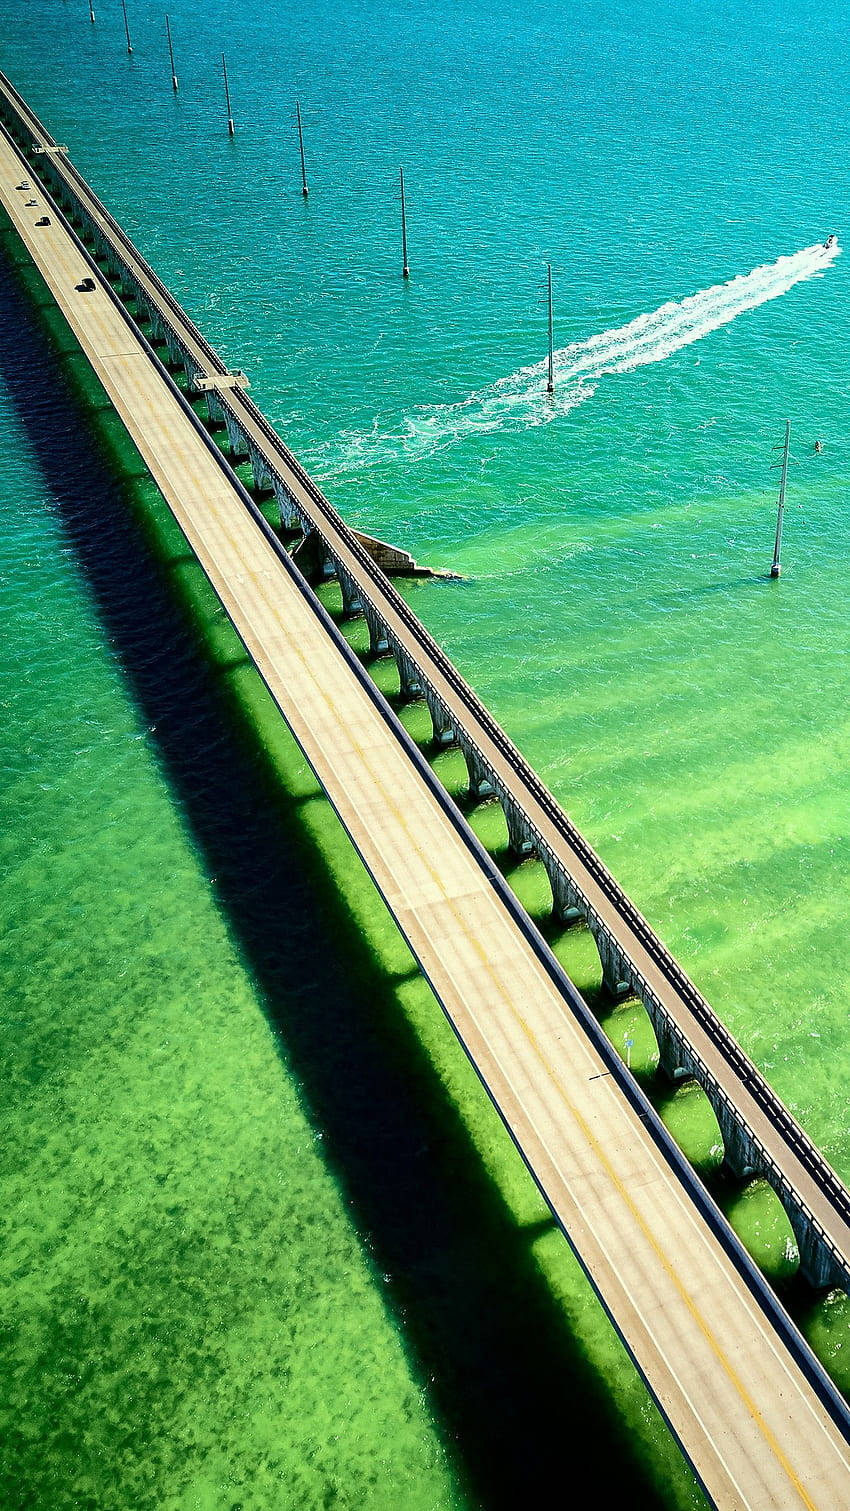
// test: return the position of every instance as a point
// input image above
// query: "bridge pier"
(311, 557)
(164, 335)
(673, 1058)
(147, 315)
(444, 732)
(480, 776)
(158, 337)
(263, 477)
(521, 837)
(741, 1156)
(352, 604)
(379, 645)
(290, 519)
(566, 898)
(215, 409)
(616, 980)
(410, 682)
(192, 372)
(236, 438)
(818, 1264)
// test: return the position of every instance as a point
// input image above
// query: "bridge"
(756, 1415)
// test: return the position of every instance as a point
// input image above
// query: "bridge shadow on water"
(520, 1408)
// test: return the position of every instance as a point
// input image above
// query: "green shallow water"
(238, 1274)
(267, 1242)
(182, 1272)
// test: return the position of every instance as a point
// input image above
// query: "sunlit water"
(268, 1246)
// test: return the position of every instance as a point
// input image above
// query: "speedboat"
(830, 242)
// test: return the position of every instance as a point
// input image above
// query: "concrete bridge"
(754, 1412)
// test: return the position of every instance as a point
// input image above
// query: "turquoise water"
(219, 1343)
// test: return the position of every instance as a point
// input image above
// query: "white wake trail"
(518, 402)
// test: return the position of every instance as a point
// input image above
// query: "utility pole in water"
(171, 54)
(777, 566)
(126, 26)
(304, 190)
(405, 271)
(230, 126)
(550, 382)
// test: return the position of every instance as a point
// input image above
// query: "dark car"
(86, 285)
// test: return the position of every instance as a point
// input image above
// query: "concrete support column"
(192, 371)
(290, 519)
(480, 777)
(351, 601)
(521, 837)
(214, 406)
(567, 902)
(614, 971)
(157, 332)
(673, 1058)
(263, 480)
(174, 353)
(817, 1262)
(378, 643)
(410, 685)
(236, 439)
(145, 311)
(741, 1156)
(114, 265)
(311, 557)
(444, 732)
(127, 283)
(100, 245)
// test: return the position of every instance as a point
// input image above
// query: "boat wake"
(518, 402)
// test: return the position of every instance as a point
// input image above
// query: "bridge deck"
(750, 1422)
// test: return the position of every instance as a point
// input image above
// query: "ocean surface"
(266, 1245)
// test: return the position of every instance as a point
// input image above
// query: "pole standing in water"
(304, 190)
(171, 54)
(777, 566)
(230, 126)
(405, 271)
(550, 383)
